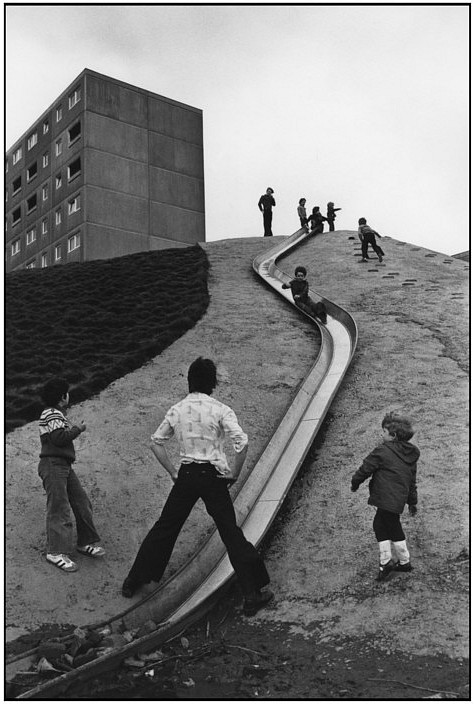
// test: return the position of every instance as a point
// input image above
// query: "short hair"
(362, 221)
(398, 425)
(270, 189)
(302, 269)
(54, 390)
(202, 376)
(301, 200)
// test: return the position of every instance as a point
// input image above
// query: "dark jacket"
(392, 466)
(300, 288)
(266, 202)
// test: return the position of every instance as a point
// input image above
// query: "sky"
(363, 105)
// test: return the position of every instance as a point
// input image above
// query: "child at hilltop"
(64, 491)
(331, 215)
(317, 220)
(299, 288)
(301, 210)
(392, 468)
(367, 237)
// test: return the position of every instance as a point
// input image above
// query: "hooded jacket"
(392, 466)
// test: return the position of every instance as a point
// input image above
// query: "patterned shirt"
(201, 424)
(57, 435)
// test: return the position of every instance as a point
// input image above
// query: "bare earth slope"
(412, 315)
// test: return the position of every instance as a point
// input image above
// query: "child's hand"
(412, 510)
(82, 426)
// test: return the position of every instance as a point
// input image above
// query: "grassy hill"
(94, 322)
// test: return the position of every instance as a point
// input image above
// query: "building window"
(17, 155)
(74, 205)
(44, 260)
(30, 265)
(59, 113)
(59, 147)
(31, 171)
(16, 216)
(57, 253)
(31, 203)
(59, 181)
(74, 132)
(16, 247)
(30, 236)
(74, 98)
(45, 160)
(44, 226)
(74, 169)
(32, 140)
(45, 192)
(58, 217)
(74, 242)
(45, 127)
(16, 185)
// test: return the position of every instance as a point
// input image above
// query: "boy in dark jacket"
(299, 288)
(367, 237)
(317, 220)
(392, 468)
(64, 491)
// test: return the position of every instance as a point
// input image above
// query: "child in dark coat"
(299, 288)
(392, 468)
(331, 215)
(317, 220)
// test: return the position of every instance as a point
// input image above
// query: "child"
(392, 466)
(301, 210)
(63, 488)
(317, 221)
(200, 423)
(367, 236)
(331, 215)
(299, 288)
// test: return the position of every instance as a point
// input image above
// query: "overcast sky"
(366, 106)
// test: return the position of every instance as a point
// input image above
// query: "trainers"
(384, 570)
(129, 588)
(61, 561)
(403, 567)
(256, 602)
(93, 551)
(380, 258)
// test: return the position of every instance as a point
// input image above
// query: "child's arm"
(162, 456)
(368, 467)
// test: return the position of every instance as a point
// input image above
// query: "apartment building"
(109, 169)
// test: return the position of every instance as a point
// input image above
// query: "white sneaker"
(61, 561)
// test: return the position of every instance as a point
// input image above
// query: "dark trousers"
(316, 309)
(267, 223)
(370, 240)
(387, 526)
(63, 493)
(199, 480)
(331, 225)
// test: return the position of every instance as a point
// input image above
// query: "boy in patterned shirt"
(200, 424)
(64, 491)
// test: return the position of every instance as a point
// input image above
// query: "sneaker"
(129, 588)
(93, 551)
(384, 570)
(380, 258)
(403, 567)
(61, 561)
(363, 260)
(256, 602)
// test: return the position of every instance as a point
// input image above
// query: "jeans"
(387, 526)
(267, 223)
(63, 493)
(198, 480)
(370, 240)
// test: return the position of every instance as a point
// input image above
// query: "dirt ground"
(332, 632)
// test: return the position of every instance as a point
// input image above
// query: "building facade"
(109, 169)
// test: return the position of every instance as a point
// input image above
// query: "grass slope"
(94, 322)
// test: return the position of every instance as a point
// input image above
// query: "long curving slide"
(190, 592)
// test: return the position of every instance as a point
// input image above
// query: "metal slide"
(190, 592)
